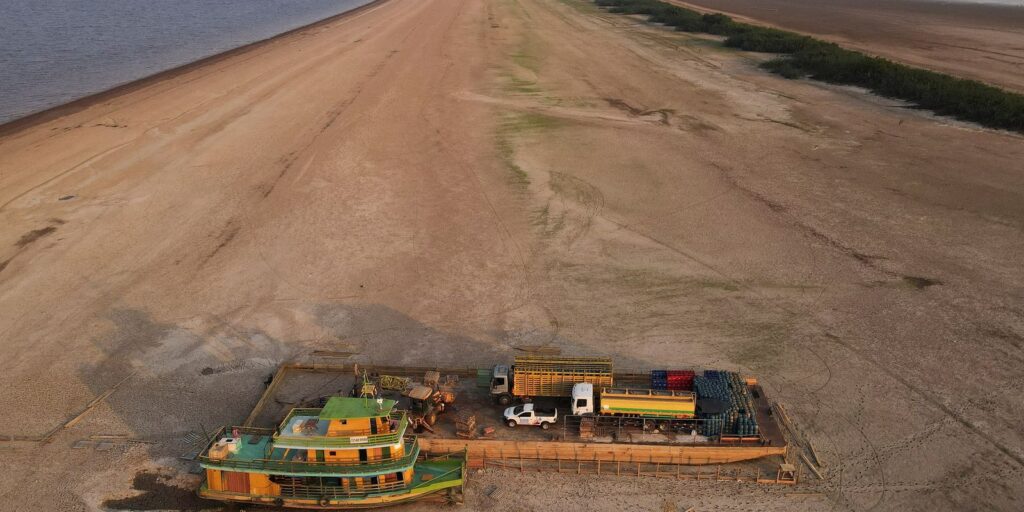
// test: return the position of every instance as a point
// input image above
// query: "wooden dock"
(478, 450)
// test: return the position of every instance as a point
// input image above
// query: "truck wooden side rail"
(555, 376)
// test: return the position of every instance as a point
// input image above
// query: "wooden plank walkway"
(494, 449)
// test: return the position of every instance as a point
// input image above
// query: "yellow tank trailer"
(648, 403)
(352, 453)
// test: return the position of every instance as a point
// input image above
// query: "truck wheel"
(511, 423)
(545, 425)
(504, 399)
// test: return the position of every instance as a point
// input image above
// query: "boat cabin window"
(581, 402)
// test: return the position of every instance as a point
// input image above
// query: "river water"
(55, 51)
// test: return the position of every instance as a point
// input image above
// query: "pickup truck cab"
(528, 414)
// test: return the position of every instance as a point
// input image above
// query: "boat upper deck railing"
(354, 439)
(253, 431)
(317, 468)
(313, 492)
(303, 491)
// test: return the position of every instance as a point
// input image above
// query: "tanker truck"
(636, 403)
(530, 377)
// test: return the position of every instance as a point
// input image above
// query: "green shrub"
(718, 24)
(805, 56)
(770, 40)
(784, 66)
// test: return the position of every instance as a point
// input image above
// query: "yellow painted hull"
(337, 504)
(448, 478)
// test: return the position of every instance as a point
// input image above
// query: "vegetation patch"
(512, 125)
(526, 60)
(529, 121)
(506, 151)
(804, 56)
(520, 86)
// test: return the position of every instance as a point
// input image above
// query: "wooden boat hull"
(449, 483)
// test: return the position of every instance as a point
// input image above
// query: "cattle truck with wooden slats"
(532, 377)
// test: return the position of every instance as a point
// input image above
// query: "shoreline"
(445, 181)
(57, 111)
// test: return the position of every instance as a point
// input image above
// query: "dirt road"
(982, 41)
(438, 182)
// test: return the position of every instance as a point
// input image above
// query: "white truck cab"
(583, 398)
(501, 388)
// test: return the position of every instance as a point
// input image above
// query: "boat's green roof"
(340, 407)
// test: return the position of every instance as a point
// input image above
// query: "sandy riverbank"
(439, 182)
(980, 41)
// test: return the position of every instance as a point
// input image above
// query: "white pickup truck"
(527, 414)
